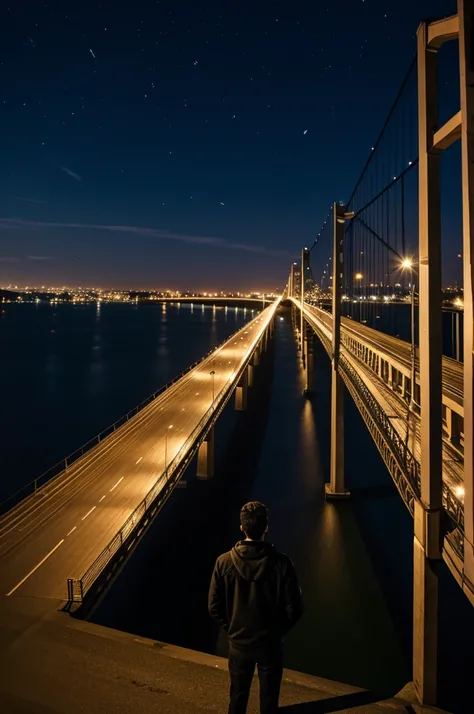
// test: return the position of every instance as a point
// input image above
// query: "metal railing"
(78, 587)
(32, 487)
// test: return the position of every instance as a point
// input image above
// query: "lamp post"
(407, 264)
(358, 277)
(213, 374)
(166, 445)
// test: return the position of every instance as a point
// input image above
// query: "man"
(255, 596)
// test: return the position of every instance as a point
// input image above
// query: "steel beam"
(442, 31)
(466, 67)
(448, 133)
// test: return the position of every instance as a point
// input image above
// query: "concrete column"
(304, 340)
(250, 375)
(256, 356)
(335, 489)
(427, 512)
(425, 606)
(309, 360)
(205, 464)
(241, 393)
(466, 72)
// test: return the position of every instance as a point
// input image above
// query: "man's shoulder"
(283, 560)
(224, 561)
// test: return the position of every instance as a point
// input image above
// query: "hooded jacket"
(254, 595)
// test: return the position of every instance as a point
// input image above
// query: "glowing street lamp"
(166, 445)
(358, 276)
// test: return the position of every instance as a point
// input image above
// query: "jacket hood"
(251, 558)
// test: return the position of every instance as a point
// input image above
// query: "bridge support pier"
(335, 489)
(205, 464)
(250, 375)
(425, 603)
(256, 356)
(309, 362)
(427, 516)
(241, 393)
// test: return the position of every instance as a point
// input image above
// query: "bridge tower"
(433, 140)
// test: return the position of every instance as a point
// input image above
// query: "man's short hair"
(254, 519)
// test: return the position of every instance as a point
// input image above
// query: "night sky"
(179, 144)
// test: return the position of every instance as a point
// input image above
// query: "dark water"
(354, 559)
(69, 371)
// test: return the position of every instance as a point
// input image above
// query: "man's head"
(254, 520)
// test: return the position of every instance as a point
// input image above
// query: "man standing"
(255, 596)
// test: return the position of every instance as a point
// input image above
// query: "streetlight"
(166, 444)
(213, 374)
(359, 276)
(407, 264)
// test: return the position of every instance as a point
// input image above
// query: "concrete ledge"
(55, 664)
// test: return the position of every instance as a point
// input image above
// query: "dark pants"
(270, 669)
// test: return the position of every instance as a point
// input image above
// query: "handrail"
(57, 469)
(78, 587)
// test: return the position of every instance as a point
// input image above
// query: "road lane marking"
(101, 499)
(88, 513)
(72, 530)
(115, 485)
(137, 462)
(35, 568)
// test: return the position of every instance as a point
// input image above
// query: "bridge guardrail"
(32, 487)
(158, 494)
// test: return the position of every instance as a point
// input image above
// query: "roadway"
(59, 532)
(398, 350)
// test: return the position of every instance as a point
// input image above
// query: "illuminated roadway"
(58, 535)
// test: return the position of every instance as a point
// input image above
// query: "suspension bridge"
(383, 247)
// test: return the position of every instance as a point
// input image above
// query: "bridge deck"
(59, 532)
(392, 404)
(399, 350)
